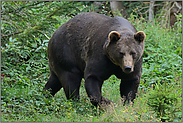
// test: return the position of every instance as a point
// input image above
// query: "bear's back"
(90, 25)
(93, 25)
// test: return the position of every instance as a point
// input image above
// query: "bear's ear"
(114, 36)
(140, 36)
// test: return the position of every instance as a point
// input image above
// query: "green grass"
(22, 98)
(62, 110)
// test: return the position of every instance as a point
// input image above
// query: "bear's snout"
(128, 69)
(127, 65)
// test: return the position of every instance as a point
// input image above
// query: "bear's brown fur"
(94, 46)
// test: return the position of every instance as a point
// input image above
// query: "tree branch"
(34, 28)
(8, 35)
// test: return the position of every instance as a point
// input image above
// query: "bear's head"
(124, 48)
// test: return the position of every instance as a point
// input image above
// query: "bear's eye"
(121, 54)
(133, 54)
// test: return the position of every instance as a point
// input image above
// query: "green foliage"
(26, 27)
(162, 68)
(178, 23)
(133, 6)
(165, 101)
(163, 52)
(30, 19)
(139, 112)
(25, 35)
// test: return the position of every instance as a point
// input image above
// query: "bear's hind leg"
(53, 84)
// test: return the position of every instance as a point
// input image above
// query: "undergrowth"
(22, 82)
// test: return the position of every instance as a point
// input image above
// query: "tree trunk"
(118, 9)
(176, 9)
(169, 11)
(151, 10)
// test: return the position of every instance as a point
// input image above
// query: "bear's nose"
(128, 69)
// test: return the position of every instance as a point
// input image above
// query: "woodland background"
(26, 27)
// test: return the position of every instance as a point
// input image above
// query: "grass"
(59, 109)
(22, 98)
(63, 110)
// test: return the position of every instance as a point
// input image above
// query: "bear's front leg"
(128, 89)
(93, 88)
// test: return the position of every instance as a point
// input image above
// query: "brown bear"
(94, 47)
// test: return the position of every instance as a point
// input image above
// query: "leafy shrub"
(166, 101)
